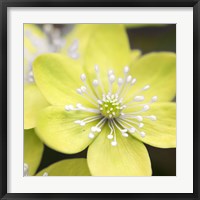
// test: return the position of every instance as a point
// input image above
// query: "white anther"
(93, 129)
(139, 98)
(26, 169)
(132, 130)
(83, 77)
(110, 116)
(78, 105)
(99, 102)
(112, 78)
(146, 107)
(153, 117)
(146, 87)
(95, 82)
(129, 79)
(133, 81)
(83, 89)
(139, 118)
(98, 129)
(82, 123)
(69, 107)
(154, 99)
(124, 130)
(79, 91)
(96, 67)
(45, 174)
(114, 143)
(77, 121)
(126, 69)
(125, 134)
(91, 135)
(110, 72)
(120, 81)
(110, 137)
(141, 125)
(143, 134)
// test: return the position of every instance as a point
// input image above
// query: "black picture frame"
(4, 4)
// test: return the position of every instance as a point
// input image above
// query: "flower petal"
(58, 77)
(70, 167)
(135, 55)
(128, 158)
(33, 150)
(157, 70)
(56, 127)
(162, 132)
(109, 49)
(34, 102)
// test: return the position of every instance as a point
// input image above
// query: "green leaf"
(56, 127)
(128, 158)
(34, 102)
(70, 167)
(58, 77)
(33, 150)
(162, 132)
(157, 70)
(109, 49)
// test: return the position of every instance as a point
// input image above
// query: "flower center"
(111, 106)
(111, 109)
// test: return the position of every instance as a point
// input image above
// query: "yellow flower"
(107, 103)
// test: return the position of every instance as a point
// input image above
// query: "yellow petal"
(34, 102)
(128, 158)
(70, 167)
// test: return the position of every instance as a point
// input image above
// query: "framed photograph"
(100, 100)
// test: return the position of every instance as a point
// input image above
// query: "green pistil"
(111, 109)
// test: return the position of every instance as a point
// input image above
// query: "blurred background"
(147, 38)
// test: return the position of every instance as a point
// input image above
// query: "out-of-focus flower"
(33, 150)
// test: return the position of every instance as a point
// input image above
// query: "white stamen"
(141, 125)
(120, 81)
(91, 135)
(146, 107)
(126, 69)
(95, 82)
(96, 67)
(110, 137)
(79, 91)
(83, 89)
(110, 107)
(133, 81)
(152, 117)
(110, 72)
(146, 87)
(45, 174)
(26, 169)
(128, 79)
(154, 99)
(114, 143)
(112, 78)
(139, 98)
(143, 134)
(83, 77)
